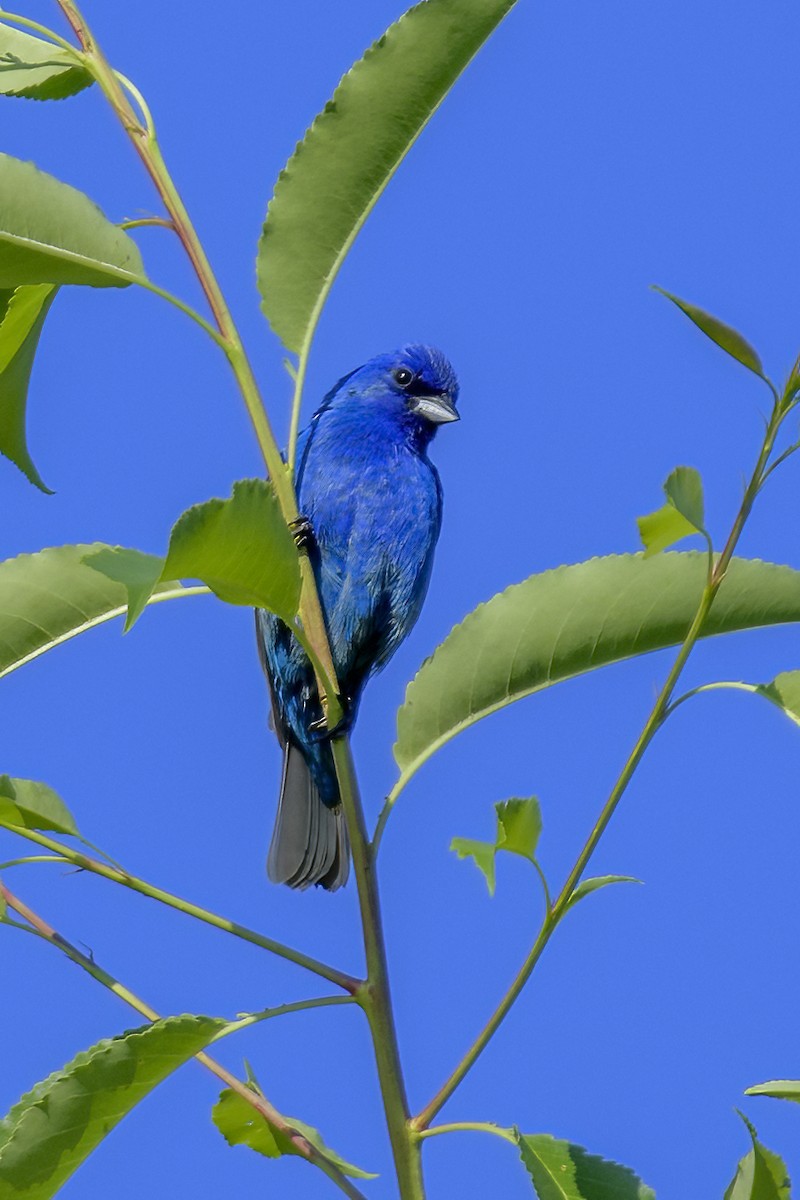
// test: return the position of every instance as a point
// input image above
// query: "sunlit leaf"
(334, 178)
(481, 853)
(37, 70)
(784, 691)
(680, 517)
(241, 1125)
(48, 1134)
(587, 886)
(663, 528)
(32, 805)
(241, 548)
(138, 573)
(723, 335)
(684, 490)
(563, 1171)
(761, 1174)
(574, 619)
(52, 233)
(780, 1089)
(50, 597)
(792, 385)
(519, 825)
(22, 314)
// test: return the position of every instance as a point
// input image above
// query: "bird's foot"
(302, 531)
(319, 731)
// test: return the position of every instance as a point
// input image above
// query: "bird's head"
(422, 378)
(415, 385)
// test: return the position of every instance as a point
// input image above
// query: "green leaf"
(563, 1171)
(761, 1174)
(792, 386)
(574, 619)
(37, 70)
(684, 490)
(723, 335)
(335, 176)
(138, 573)
(48, 1134)
(519, 824)
(481, 853)
(663, 528)
(241, 548)
(587, 886)
(241, 1125)
(680, 517)
(50, 597)
(22, 314)
(52, 233)
(784, 691)
(32, 805)
(780, 1089)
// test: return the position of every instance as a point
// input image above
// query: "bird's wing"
(276, 720)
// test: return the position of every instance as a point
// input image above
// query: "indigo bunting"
(373, 501)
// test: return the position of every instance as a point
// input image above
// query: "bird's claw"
(319, 730)
(302, 531)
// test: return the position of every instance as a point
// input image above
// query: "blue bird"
(373, 500)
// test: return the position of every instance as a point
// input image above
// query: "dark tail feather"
(309, 843)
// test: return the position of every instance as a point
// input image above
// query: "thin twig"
(339, 978)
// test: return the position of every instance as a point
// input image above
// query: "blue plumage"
(374, 501)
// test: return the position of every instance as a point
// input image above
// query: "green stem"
(258, 1101)
(297, 402)
(375, 996)
(339, 978)
(470, 1127)
(143, 222)
(719, 685)
(548, 904)
(170, 297)
(295, 1006)
(654, 722)
(146, 144)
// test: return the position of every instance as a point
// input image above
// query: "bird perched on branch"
(373, 503)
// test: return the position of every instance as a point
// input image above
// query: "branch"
(656, 719)
(339, 978)
(258, 1101)
(146, 145)
(375, 996)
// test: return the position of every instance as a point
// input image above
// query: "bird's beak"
(436, 409)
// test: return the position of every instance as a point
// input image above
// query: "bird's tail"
(309, 842)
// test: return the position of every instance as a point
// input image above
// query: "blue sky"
(589, 151)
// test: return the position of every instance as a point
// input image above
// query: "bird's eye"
(403, 376)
